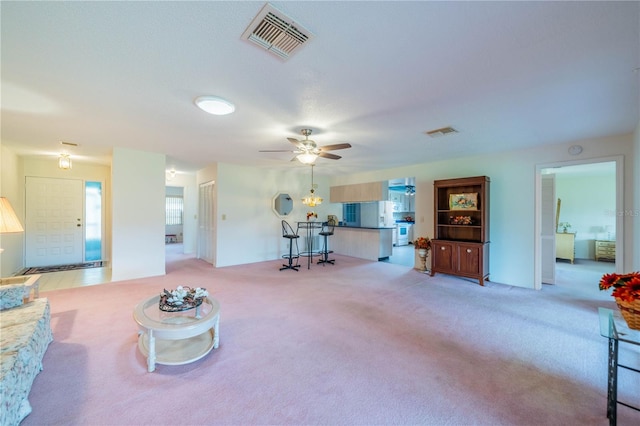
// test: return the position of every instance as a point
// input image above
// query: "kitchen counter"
(366, 227)
(364, 243)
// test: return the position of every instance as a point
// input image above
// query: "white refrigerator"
(377, 214)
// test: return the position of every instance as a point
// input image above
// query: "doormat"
(59, 268)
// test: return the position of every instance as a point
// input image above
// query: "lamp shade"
(8, 220)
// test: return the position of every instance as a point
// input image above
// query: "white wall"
(138, 210)
(12, 258)
(635, 230)
(589, 205)
(512, 197)
(251, 231)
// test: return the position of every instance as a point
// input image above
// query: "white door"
(206, 222)
(548, 228)
(54, 221)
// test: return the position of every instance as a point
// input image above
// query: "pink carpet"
(356, 343)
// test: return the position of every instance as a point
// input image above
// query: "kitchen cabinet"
(396, 196)
(360, 192)
(565, 246)
(410, 203)
(606, 250)
(461, 247)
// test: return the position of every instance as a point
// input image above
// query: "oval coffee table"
(176, 338)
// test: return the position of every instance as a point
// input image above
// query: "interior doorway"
(588, 194)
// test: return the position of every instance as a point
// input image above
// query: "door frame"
(619, 160)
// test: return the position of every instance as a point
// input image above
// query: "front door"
(54, 221)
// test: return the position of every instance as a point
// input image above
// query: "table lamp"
(9, 222)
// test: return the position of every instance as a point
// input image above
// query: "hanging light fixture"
(64, 162)
(410, 190)
(312, 200)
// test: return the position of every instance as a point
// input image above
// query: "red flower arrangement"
(625, 286)
(422, 243)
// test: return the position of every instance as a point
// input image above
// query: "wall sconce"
(64, 162)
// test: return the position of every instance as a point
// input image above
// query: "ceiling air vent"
(441, 132)
(276, 33)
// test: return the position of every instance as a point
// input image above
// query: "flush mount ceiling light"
(64, 162)
(215, 105)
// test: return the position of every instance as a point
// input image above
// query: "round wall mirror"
(282, 204)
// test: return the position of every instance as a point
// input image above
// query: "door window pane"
(93, 221)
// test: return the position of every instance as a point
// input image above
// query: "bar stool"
(325, 232)
(291, 236)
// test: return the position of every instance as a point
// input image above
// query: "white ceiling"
(506, 75)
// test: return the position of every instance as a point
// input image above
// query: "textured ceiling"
(506, 75)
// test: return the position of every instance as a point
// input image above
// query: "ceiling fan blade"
(296, 142)
(335, 146)
(329, 156)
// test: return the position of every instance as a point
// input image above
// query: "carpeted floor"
(356, 343)
(60, 268)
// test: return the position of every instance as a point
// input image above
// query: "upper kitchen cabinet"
(401, 193)
(360, 192)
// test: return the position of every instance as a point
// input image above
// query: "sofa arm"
(11, 295)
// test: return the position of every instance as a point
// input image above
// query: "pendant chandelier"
(312, 200)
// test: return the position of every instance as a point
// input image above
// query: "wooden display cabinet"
(461, 231)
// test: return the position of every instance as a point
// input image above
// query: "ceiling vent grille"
(276, 33)
(444, 131)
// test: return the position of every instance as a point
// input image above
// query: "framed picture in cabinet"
(465, 201)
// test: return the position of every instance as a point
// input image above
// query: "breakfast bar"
(364, 243)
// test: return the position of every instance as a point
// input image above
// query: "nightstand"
(605, 250)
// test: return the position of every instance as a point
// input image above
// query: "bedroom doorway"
(586, 196)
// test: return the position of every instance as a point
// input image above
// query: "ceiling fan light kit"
(215, 105)
(307, 151)
(306, 158)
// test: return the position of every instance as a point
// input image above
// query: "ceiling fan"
(307, 150)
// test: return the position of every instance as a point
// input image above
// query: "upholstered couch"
(25, 334)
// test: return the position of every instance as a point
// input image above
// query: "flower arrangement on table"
(460, 220)
(422, 243)
(565, 226)
(626, 290)
(182, 298)
(312, 214)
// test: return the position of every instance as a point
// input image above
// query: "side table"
(176, 338)
(615, 329)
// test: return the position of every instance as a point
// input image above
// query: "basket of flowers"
(626, 290)
(182, 298)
